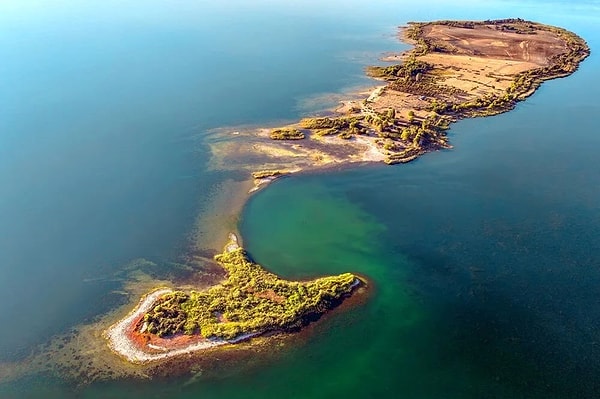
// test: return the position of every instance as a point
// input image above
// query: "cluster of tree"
(250, 300)
(382, 121)
(414, 30)
(404, 156)
(425, 87)
(481, 106)
(345, 127)
(262, 174)
(410, 68)
(431, 130)
(520, 29)
(325, 123)
(167, 315)
(286, 134)
(503, 21)
(457, 24)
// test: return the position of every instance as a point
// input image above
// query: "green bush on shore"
(263, 174)
(410, 68)
(286, 134)
(250, 300)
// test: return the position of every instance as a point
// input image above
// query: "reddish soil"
(270, 294)
(142, 340)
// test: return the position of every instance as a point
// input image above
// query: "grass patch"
(286, 134)
(250, 300)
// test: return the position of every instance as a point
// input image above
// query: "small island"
(249, 302)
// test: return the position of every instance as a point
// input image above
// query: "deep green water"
(483, 260)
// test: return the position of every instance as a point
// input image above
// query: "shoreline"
(87, 353)
(122, 342)
(134, 337)
(121, 336)
(396, 123)
(455, 70)
(249, 150)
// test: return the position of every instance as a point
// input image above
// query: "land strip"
(456, 70)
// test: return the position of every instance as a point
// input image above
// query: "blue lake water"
(483, 258)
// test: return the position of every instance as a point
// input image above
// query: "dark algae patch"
(251, 300)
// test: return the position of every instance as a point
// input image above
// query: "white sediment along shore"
(119, 342)
(124, 341)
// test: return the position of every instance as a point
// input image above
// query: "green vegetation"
(330, 123)
(426, 86)
(345, 127)
(286, 134)
(410, 68)
(458, 24)
(263, 174)
(250, 300)
(414, 32)
(514, 25)
(430, 131)
(409, 154)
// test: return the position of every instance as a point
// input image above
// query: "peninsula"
(456, 69)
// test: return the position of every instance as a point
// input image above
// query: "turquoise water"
(482, 260)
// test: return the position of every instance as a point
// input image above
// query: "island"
(455, 70)
(228, 309)
(249, 302)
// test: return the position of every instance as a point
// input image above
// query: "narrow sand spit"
(120, 343)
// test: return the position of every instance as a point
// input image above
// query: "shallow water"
(102, 156)
(482, 260)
